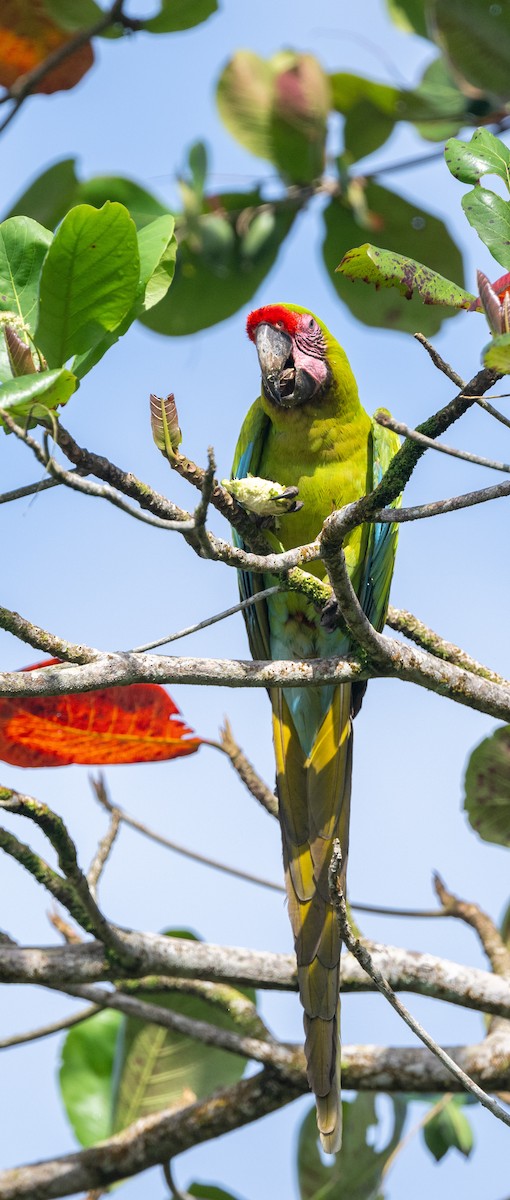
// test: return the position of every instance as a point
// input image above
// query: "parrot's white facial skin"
(292, 357)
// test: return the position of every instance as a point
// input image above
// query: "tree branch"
(414, 629)
(365, 960)
(383, 418)
(406, 970)
(155, 1139)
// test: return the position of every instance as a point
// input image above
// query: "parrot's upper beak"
(283, 383)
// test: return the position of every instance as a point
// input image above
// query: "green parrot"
(307, 429)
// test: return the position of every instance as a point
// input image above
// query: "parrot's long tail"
(314, 800)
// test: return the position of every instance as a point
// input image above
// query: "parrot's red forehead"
(272, 314)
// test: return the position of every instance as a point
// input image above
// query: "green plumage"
(332, 451)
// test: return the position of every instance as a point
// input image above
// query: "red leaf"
(27, 37)
(137, 723)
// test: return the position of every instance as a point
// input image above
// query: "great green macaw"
(307, 429)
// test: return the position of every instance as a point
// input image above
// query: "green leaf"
(487, 788)
(497, 354)
(436, 107)
(50, 196)
(403, 229)
(197, 159)
(175, 15)
(157, 1068)
(143, 207)
(476, 40)
(219, 265)
(208, 1191)
(278, 109)
(356, 1172)
(86, 1076)
(485, 154)
(30, 396)
(490, 216)
(348, 90)
(157, 249)
(73, 14)
(409, 15)
(160, 1069)
(23, 247)
(448, 1130)
(88, 282)
(365, 129)
(386, 269)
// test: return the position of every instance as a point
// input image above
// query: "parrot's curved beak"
(283, 383)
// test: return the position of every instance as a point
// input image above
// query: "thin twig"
(25, 84)
(385, 419)
(53, 827)
(246, 771)
(201, 511)
(75, 481)
(437, 508)
(30, 489)
(103, 851)
(365, 960)
(89, 463)
(19, 1039)
(498, 953)
(438, 361)
(174, 1190)
(267, 1052)
(494, 412)
(227, 612)
(184, 851)
(428, 1116)
(41, 639)
(99, 788)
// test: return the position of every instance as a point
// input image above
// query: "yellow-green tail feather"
(314, 803)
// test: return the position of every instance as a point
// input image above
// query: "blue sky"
(86, 571)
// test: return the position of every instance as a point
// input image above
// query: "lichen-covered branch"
(405, 622)
(157, 1138)
(406, 970)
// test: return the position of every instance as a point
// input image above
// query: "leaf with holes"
(355, 1173)
(386, 269)
(89, 280)
(404, 229)
(487, 788)
(485, 154)
(137, 723)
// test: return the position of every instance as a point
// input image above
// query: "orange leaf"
(27, 37)
(137, 723)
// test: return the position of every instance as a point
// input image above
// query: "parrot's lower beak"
(283, 383)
